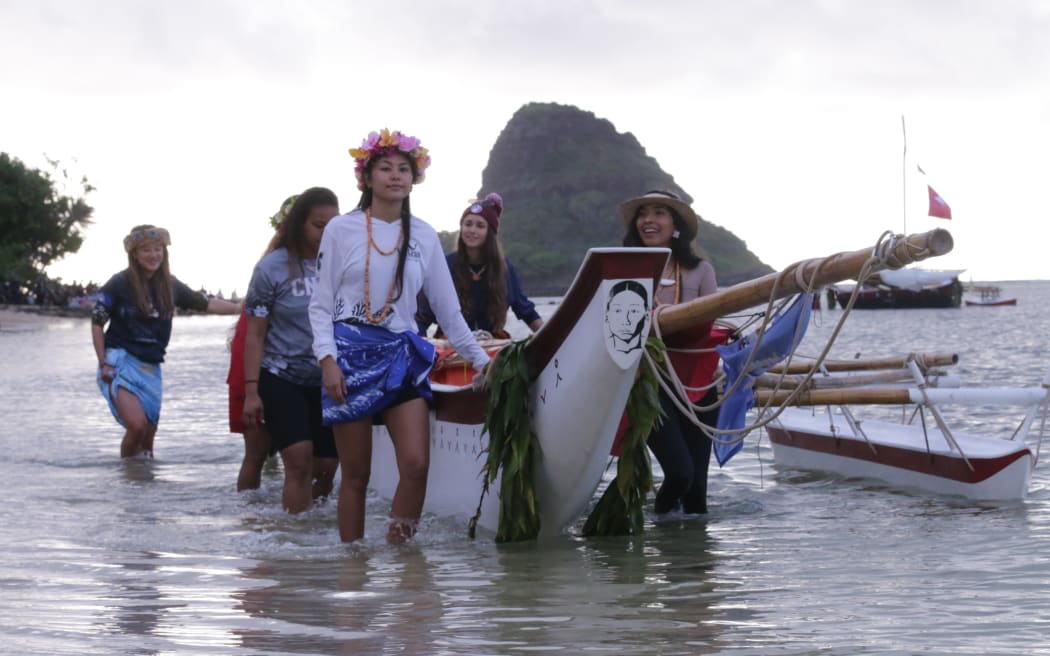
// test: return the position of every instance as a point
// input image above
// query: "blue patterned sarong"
(378, 364)
(140, 378)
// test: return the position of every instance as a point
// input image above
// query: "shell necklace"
(677, 280)
(475, 274)
(378, 317)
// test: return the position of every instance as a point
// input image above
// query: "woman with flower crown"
(373, 262)
(660, 219)
(138, 305)
(486, 282)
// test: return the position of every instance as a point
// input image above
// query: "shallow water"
(104, 557)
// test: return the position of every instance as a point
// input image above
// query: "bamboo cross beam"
(816, 272)
(925, 361)
(846, 396)
(791, 381)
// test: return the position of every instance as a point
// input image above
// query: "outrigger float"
(921, 452)
(580, 376)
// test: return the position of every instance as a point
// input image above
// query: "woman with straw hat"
(661, 219)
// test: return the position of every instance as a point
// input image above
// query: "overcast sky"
(782, 118)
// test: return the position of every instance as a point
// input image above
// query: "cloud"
(220, 108)
(120, 46)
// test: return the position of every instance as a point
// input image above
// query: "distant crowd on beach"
(46, 292)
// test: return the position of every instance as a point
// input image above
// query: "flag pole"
(904, 177)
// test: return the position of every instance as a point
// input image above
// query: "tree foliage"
(39, 222)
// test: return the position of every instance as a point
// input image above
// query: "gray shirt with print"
(281, 293)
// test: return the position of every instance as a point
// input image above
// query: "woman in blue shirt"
(486, 282)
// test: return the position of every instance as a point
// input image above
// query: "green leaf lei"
(619, 510)
(513, 448)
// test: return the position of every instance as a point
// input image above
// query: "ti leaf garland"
(513, 448)
(619, 510)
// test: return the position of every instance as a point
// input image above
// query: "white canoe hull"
(456, 459)
(577, 396)
(898, 455)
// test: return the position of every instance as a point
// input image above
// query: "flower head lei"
(282, 213)
(378, 144)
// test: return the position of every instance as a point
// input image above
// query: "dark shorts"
(404, 396)
(293, 414)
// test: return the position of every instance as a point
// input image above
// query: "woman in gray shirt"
(282, 380)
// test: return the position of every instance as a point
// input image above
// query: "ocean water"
(104, 557)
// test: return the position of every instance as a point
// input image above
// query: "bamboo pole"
(927, 360)
(817, 272)
(846, 396)
(790, 381)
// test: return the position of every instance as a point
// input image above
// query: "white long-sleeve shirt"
(339, 293)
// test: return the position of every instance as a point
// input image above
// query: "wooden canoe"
(581, 376)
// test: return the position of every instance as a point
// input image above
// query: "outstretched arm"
(222, 306)
(253, 348)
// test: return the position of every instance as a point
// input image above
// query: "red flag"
(938, 207)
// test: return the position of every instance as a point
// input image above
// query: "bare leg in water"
(409, 426)
(324, 476)
(256, 450)
(138, 431)
(353, 441)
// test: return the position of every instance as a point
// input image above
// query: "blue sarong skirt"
(142, 379)
(378, 364)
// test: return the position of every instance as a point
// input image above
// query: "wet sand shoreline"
(23, 315)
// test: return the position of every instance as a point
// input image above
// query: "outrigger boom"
(895, 253)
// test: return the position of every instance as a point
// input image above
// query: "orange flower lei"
(378, 317)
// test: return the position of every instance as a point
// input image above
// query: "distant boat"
(989, 295)
(906, 289)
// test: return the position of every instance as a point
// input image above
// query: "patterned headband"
(140, 236)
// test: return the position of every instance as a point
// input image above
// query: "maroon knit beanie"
(490, 209)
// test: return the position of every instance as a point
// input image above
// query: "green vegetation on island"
(563, 173)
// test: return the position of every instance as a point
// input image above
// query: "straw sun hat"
(629, 209)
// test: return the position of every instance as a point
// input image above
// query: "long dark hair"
(291, 233)
(682, 250)
(406, 217)
(494, 261)
(164, 286)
